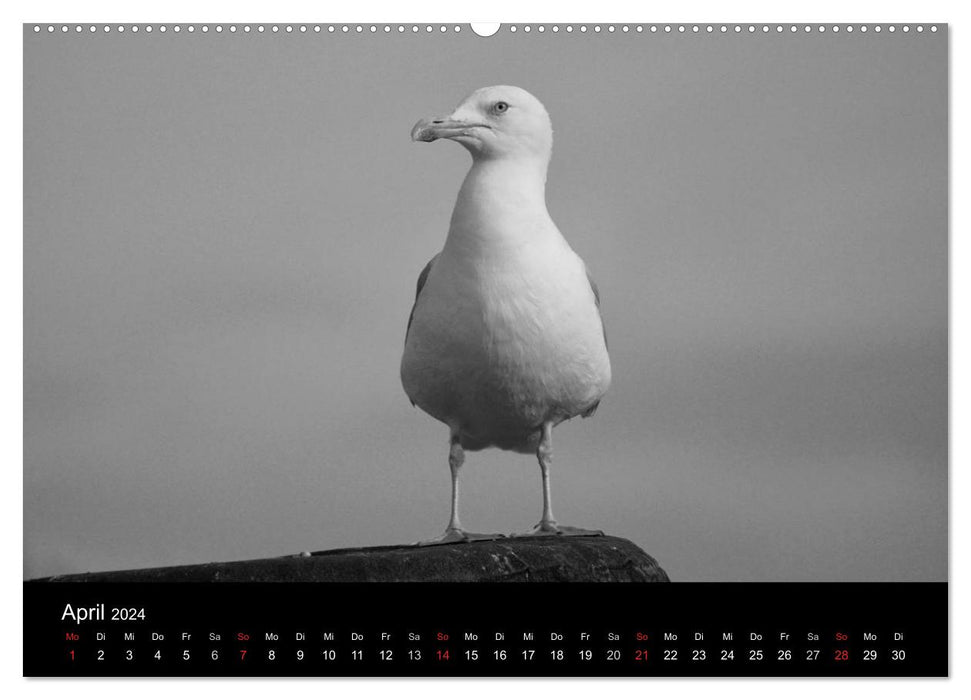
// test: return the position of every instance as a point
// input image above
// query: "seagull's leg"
(456, 458)
(547, 524)
(454, 531)
(544, 453)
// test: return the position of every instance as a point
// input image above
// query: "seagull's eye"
(500, 107)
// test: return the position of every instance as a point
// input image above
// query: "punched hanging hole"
(485, 28)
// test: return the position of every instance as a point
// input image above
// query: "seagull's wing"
(596, 296)
(421, 283)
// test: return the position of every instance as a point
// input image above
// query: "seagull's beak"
(442, 128)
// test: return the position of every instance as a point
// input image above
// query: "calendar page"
(485, 350)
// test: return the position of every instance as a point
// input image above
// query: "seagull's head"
(494, 122)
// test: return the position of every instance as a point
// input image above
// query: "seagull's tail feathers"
(526, 444)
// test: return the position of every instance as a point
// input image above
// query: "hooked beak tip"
(424, 130)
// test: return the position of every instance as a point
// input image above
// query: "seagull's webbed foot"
(548, 528)
(454, 534)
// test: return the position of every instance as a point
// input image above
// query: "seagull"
(505, 339)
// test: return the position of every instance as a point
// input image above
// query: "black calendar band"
(297, 629)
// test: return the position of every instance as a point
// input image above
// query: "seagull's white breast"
(506, 337)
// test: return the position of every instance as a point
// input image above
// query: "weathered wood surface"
(552, 558)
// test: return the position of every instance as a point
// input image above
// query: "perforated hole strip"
(606, 29)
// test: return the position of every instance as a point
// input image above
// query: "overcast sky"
(223, 232)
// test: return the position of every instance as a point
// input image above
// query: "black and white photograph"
(546, 304)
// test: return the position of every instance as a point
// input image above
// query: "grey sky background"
(222, 235)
